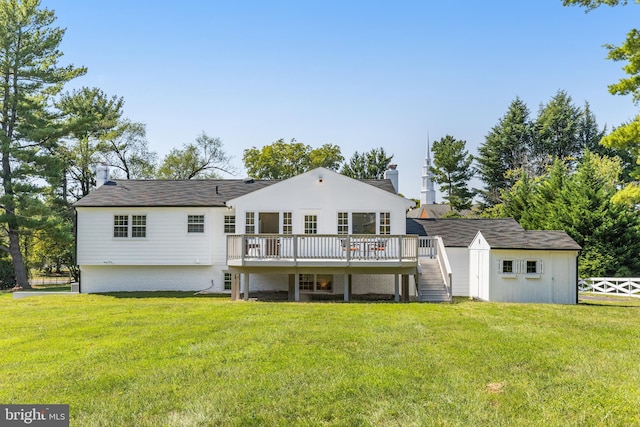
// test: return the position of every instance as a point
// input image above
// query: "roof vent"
(248, 180)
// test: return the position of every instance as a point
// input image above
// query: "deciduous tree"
(127, 152)
(281, 160)
(203, 159)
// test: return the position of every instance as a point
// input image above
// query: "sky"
(358, 74)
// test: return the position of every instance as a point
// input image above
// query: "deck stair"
(431, 285)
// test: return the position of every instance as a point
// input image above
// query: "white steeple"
(428, 192)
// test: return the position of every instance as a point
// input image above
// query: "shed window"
(507, 266)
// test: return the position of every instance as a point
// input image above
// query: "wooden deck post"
(347, 287)
(246, 286)
(235, 285)
(405, 288)
(296, 289)
(396, 279)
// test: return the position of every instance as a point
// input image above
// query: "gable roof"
(460, 232)
(142, 193)
(330, 178)
(531, 239)
(431, 211)
(195, 193)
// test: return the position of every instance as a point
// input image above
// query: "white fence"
(611, 286)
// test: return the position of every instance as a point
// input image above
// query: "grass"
(175, 360)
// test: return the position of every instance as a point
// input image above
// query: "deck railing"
(296, 247)
(427, 247)
(611, 285)
(445, 267)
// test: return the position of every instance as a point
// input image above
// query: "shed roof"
(196, 193)
(459, 232)
(531, 239)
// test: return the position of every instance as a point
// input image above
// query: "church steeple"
(428, 192)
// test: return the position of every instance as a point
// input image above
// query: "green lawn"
(178, 360)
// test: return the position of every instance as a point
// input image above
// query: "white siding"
(459, 262)
(305, 194)
(555, 284)
(167, 241)
(121, 278)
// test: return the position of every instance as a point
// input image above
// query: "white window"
(363, 223)
(287, 223)
(533, 268)
(316, 282)
(228, 277)
(230, 224)
(129, 225)
(508, 267)
(121, 226)
(195, 224)
(250, 223)
(385, 222)
(343, 223)
(138, 226)
(311, 224)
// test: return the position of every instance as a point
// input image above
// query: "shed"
(524, 266)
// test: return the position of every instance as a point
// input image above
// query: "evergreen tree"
(504, 151)
(29, 78)
(452, 170)
(557, 132)
(580, 203)
(369, 165)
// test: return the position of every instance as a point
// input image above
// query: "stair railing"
(445, 268)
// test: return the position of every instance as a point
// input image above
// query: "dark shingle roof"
(209, 193)
(382, 184)
(499, 233)
(532, 239)
(131, 193)
(459, 232)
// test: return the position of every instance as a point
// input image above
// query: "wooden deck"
(287, 250)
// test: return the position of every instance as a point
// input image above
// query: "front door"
(269, 223)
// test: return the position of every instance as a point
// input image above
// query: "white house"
(526, 266)
(319, 232)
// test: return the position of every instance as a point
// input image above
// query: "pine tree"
(452, 169)
(29, 78)
(505, 150)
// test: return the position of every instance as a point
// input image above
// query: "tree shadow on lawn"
(162, 294)
(609, 301)
(263, 296)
